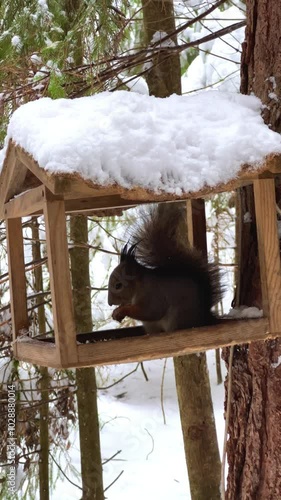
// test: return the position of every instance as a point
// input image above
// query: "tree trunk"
(194, 394)
(44, 375)
(254, 445)
(91, 465)
(192, 380)
(164, 77)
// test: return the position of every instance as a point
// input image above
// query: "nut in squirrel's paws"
(119, 314)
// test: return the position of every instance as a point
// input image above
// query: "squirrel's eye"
(118, 286)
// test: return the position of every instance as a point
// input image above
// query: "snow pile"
(177, 144)
(132, 421)
(244, 312)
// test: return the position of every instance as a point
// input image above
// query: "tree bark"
(91, 464)
(195, 399)
(192, 380)
(254, 445)
(164, 77)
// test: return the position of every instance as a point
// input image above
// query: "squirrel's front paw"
(119, 314)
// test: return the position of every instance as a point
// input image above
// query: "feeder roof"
(138, 146)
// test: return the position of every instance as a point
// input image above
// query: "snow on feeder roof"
(123, 139)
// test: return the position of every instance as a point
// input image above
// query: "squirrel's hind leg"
(153, 326)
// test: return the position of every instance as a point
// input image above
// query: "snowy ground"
(152, 455)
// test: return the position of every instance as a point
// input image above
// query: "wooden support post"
(61, 292)
(269, 254)
(17, 278)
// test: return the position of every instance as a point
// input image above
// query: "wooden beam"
(99, 202)
(12, 176)
(76, 187)
(269, 253)
(147, 347)
(36, 352)
(178, 343)
(60, 282)
(27, 160)
(25, 204)
(272, 164)
(17, 280)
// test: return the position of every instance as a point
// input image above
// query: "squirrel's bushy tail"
(161, 241)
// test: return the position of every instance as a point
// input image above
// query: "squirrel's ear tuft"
(128, 252)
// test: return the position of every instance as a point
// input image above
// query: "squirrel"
(161, 280)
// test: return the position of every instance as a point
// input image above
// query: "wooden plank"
(8, 166)
(18, 299)
(272, 163)
(27, 203)
(36, 352)
(269, 253)
(34, 167)
(75, 187)
(90, 204)
(16, 179)
(178, 343)
(60, 282)
(147, 347)
(12, 176)
(113, 197)
(145, 196)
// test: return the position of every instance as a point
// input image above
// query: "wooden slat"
(17, 276)
(269, 254)
(89, 204)
(11, 178)
(60, 282)
(75, 187)
(25, 204)
(172, 344)
(34, 167)
(147, 347)
(272, 164)
(38, 353)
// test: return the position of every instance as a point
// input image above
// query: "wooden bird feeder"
(27, 189)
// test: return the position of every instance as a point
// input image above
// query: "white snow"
(278, 363)
(152, 454)
(177, 144)
(36, 59)
(158, 37)
(244, 312)
(247, 219)
(16, 41)
(134, 83)
(273, 96)
(43, 4)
